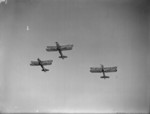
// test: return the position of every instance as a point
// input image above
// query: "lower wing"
(34, 63)
(47, 62)
(95, 70)
(66, 47)
(110, 69)
(51, 48)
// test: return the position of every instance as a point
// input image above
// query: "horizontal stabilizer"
(62, 57)
(104, 77)
(44, 70)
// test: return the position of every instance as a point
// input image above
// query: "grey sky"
(103, 32)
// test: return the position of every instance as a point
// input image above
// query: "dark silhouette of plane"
(103, 69)
(41, 63)
(60, 48)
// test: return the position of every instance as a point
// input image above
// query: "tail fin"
(44, 70)
(63, 57)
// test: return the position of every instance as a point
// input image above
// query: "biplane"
(41, 63)
(103, 70)
(60, 48)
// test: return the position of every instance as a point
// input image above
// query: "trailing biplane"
(41, 63)
(103, 70)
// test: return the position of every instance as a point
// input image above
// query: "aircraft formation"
(58, 48)
(61, 48)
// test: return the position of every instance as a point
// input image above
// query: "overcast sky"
(103, 32)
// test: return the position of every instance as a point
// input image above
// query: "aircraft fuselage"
(43, 68)
(104, 76)
(59, 50)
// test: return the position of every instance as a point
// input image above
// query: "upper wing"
(47, 62)
(66, 47)
(51, 48)
(95, 70)
(110, 69)
(34, 63)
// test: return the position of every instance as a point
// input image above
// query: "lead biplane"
(41, 63)
(60, 48)
(103, 70)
